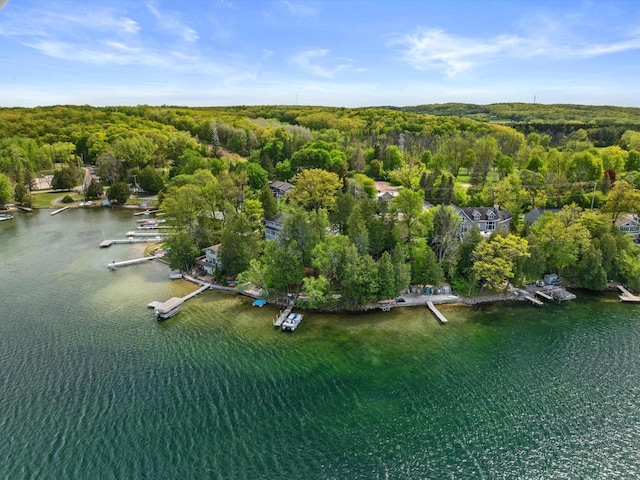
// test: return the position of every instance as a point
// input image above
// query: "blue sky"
(332, 52)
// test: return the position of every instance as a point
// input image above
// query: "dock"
(108, 243)
(436, 312)
(283, 315)
(145, 234)
(114, 265)
(26, 209)
(534, 300)
(544, 295)
(627, 296)
(180, 300)
(55, 212)
(146, 212)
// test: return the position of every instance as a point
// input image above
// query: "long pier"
(146, 212)
(436, 312)
(283, 315)
(55, 212)
(108, 243)
(146, 234)
(114, 265)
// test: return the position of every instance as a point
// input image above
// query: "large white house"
(628, 223)
(487, 219)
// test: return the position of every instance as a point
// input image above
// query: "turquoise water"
(93, 387)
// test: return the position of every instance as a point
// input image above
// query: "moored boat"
(168, 309)
(5, 216)
(291, 322)
(175, 275)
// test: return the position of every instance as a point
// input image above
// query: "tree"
(256, 175)
(239, 244)
(119, 193)
(316, 189)
(444, 237)
(622, 198)
(497, 259)
(284, 265)
(6, 192)
(590, 272)
(386, 277)
(150, 180)
(392, 158)
(64, 179)
(182, 251)
(409, 204)
(425, 269)
(109, 168)
(95, 189)
(269, 203)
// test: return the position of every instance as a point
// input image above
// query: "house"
(211, 260)
(279, 189)
(273, 227)
(487, 219)
(386, 191)
(628, 223)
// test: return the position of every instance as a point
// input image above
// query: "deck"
(627, 296)
(436, 312)
(544, 295)
(108, 243)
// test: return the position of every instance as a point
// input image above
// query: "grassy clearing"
(44, 200)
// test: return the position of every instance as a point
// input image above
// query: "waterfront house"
(273, 227)
(628, 223)
(536, 213)
(211, 259)
(279, 189)
(487, 219)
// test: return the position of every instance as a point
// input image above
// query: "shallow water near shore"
(93, 387)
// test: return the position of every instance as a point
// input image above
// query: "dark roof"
(498, 215)
(277, 184)
(276, 218)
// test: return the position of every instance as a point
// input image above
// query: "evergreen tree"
(269, 203)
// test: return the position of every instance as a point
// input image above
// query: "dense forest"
(211, 168)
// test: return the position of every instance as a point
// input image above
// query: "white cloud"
(434, 49)
(308, 61)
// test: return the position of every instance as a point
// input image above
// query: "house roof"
(626, 218)
(279, 185)
(213, 248)
(385, 187)
(276, 218)
(485, 213)
(536, 213)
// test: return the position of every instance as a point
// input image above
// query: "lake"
(93, 387)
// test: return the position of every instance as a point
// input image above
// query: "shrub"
(67, 199)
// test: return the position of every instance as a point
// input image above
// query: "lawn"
(43, 200)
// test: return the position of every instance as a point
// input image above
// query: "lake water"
(93, 387)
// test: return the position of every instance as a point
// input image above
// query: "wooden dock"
(146, 212)
(533, 300)
(436, 312)
(26, 209)
(55, 212)
(283, 315)
(544, 295)
(114, 265)
(627, 296)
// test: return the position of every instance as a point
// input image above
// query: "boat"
(175, 275)
(259, 302)
(5, 216)
(168, 309)
(291, 322)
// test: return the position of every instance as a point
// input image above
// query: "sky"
(343, 53)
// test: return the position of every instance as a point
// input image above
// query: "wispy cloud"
(434, 49)
(299, 9)
(169, 22)
(309, 61)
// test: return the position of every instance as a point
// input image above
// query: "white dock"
(197, 292)
(146, 212)
(145, 234)
(108, 243)
(55, 212)
(114, 265)
(436, 312)
(534, 300)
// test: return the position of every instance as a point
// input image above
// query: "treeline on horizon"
(211, 167)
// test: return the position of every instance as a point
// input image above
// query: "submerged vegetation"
(576, 167)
